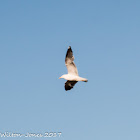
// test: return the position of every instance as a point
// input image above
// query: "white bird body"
(71, 77)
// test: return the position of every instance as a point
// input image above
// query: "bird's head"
(62, 76)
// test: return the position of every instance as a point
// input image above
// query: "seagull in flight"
(72, 77)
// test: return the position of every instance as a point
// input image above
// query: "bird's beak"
(59, 77)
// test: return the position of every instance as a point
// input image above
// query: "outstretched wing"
(71, 67)
(69, 85)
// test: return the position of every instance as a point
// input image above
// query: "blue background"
(105, 38)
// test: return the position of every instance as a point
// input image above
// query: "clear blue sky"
(105, 38)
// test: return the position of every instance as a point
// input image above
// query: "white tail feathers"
(84, 80)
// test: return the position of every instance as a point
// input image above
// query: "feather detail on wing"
(71, 67)
(69, 85)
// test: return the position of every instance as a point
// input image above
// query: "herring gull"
(72, 77)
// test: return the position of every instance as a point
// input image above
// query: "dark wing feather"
(69, 62)
(69, 85)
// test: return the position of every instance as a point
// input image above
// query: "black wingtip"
(69, 48)
(69, 52)
(69, 85)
